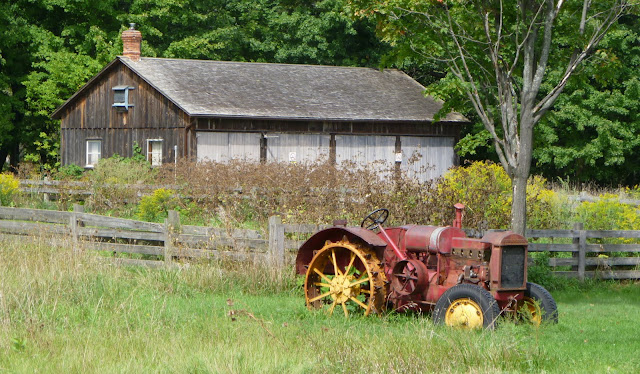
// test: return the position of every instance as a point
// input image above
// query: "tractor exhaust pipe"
(457, 223)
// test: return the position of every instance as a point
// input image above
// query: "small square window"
(121, 97)
(154, 151)
(94, 152)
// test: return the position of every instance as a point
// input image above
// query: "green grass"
(66, 312)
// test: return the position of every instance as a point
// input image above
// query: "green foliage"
(138, 153)
(71, 171)
(593, 134)
(289, 31)
(156, 207)
(47, 152)
(8, 188)
(472, 142)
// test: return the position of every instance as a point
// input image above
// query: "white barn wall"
(373, 150)
(224, 146)
(282, 147)
(434, 155)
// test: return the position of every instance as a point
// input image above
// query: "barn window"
(121, 97)
(94, 152)
(154, 151)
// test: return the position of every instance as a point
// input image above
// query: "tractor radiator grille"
(513, 263)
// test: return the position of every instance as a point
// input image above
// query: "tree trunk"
(14, 156)
(4, 152)
(519, 204)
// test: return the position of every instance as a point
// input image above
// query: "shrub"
(8, 187)
(156, 206)
(546, 209)
(114, 181)
(72, 171)
(485, 189)
(608, 213)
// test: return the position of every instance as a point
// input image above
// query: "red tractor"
(463, 281)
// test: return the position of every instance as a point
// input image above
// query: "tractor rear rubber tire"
(549, 309)
(472, 298)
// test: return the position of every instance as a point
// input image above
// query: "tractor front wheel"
(347, 276)
(538, 305)
(466, 306)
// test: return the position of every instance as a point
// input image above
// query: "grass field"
(68, 312)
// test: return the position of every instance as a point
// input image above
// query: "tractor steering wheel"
(375, 218)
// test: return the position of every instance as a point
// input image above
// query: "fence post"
(577, 226)
(276, 241)
(171, 229)
(45, 195)
(77, 208)
(581, 242)
(73, 225)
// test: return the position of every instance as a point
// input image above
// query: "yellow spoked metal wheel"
(532, 313)
(466, 306)
(464, 313)
(347, 276)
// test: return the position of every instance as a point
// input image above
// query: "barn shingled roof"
(285, 91)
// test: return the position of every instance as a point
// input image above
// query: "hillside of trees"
(50, 48)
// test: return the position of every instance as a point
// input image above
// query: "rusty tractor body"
(463, 281)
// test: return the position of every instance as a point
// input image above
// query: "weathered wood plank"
(119, 234)
(293, 244)
(32, 228)
(118, 223)
(125, 248)
(212, 242)
(599, 248)
(613, 234)
(221, 232)
(302, 228)
(551, 234)
(550, 247)
(36, 215)
(220, 255)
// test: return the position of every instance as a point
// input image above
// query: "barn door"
(426, 158)
(298, 148)
(225, 146)
(374, 151)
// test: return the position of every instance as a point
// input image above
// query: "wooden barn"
(214, 110)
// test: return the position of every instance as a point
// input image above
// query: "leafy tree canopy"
(509, 61)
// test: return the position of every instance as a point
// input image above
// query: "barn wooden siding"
(92, 116)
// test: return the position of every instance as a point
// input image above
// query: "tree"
(593, 132)
(50, 48)
(509, 60)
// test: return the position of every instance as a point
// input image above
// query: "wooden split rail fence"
(581, 255)
(593, 255)
(155, 244)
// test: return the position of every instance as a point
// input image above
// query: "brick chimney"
(131, 40)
